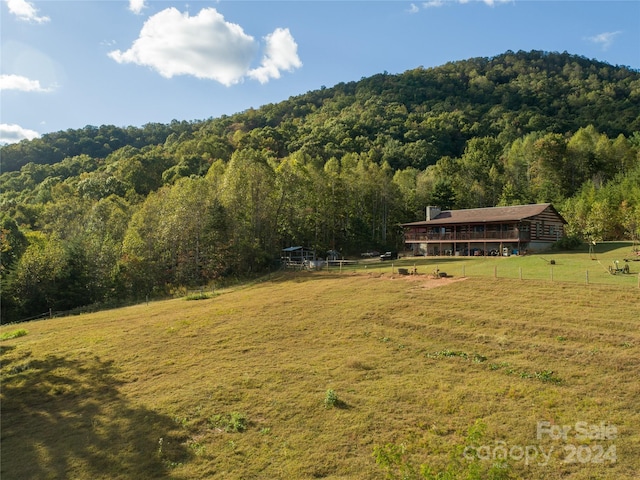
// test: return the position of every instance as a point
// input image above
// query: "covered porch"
(472, 239)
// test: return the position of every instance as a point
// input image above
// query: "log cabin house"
(485, 231)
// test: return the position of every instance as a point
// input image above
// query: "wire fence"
(616, 274)
(597, 274)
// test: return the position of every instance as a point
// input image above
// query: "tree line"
(337, 168)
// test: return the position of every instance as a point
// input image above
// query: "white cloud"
(23, 84)
(281, 53)
(413, 8)
(440, 3)
(207, 46)
(491, 3)
(605, 40)
(25, 11)
(136, 6)
(11, 133)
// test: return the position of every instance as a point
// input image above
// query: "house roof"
(295, 249)
(292, 249)
(488, 215)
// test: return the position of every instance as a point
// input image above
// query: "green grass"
(14, 334)
(577, 266)
(235, 386)
(198, 296)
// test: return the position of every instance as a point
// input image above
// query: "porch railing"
(510, 235)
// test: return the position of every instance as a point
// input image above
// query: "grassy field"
(422, 373)
(576, 266)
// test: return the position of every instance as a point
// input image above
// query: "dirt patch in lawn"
(426, 281)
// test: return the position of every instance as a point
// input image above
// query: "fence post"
(463, 270)
(552, 274)
(495, 271)
(520, 272)
(587, 278)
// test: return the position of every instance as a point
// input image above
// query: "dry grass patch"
(234, 386)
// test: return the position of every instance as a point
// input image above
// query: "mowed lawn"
(234, 386)
(575, 266)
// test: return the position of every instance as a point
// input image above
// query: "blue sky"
(68, 64)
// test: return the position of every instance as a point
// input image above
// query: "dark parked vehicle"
(389, 256)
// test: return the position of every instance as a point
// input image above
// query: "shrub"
(567, 243)
(330, 399)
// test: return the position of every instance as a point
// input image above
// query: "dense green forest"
(105, 214)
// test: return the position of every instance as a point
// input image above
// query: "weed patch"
(397, 463)
(231, 423)
(197, 296)
(547, 376)
(197, 448)
(474, 357)
(15, 334)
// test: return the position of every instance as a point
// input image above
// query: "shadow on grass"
(342, 405)
(4, 349)
(301, 276)
(599, 249)
(65, 418)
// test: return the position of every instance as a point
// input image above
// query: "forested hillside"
(106, 213)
